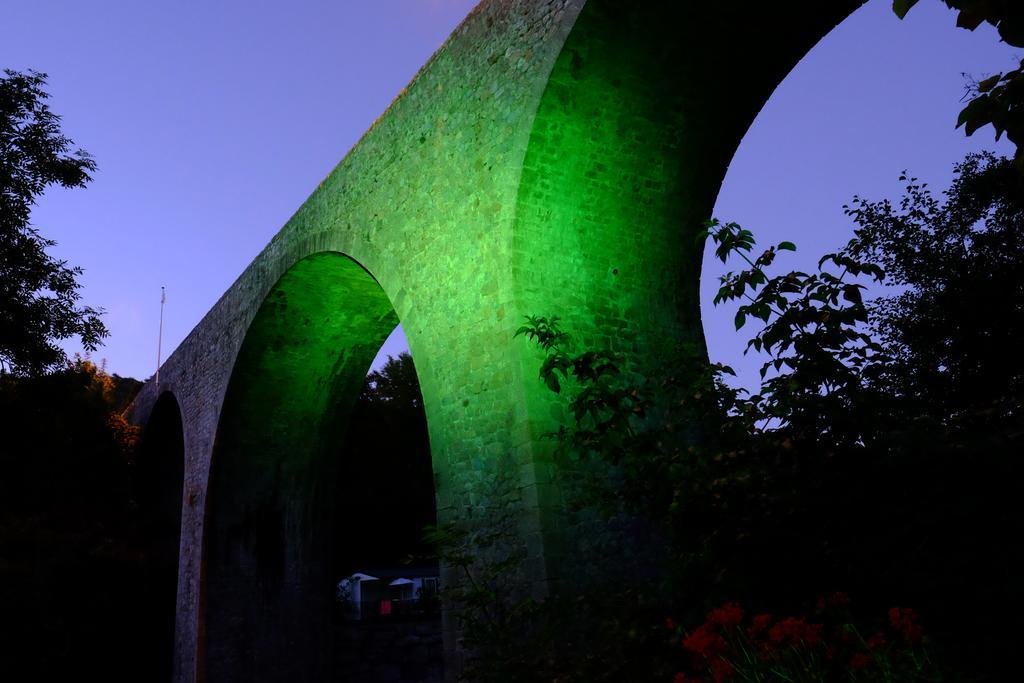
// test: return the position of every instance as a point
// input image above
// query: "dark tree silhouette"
(953, 333)
(74, 571)
(997, 100)
(879, 457)
(38, 294)
(385, 485)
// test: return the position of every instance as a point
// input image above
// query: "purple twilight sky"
(212, 122)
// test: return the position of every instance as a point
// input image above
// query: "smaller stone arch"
(266, 584)
(158, 484)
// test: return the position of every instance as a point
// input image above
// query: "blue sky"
(212, 122)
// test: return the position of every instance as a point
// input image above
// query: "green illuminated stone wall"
(555, 157)
(643, 109)
(268, 586)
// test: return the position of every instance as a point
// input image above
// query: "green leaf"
(741, 318)
(788, 246)
(901, 7)
(552, 383)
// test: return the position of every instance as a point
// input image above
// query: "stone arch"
(266, 569)
(644, 106)
(158, 484)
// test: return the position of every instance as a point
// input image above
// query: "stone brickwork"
(555, 157)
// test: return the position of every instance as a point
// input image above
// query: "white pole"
(160, 337)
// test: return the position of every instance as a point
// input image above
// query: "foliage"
(814, 333)
(930, 413)
(395, 384)
(38, 294)
(956, 261)
(74, 573)
(600, 407)
(841, 470)
(685, 480)
(387, 444)
(998, 100)
(61, 436)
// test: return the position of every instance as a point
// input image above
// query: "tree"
(395, 384)
(878, 457)
(75, 577)
(385, 471)
(999, 99)
(38, 294)
(952, 332)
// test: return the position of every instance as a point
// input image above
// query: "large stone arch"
(266, 587)
(644, 107)
(554, 157)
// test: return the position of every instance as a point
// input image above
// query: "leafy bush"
(840, 473)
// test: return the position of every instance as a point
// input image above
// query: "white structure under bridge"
(383, 593)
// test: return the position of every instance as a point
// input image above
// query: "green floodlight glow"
(296, 378)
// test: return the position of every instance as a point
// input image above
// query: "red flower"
(680, 678)
(759, 624)
(904, 620)
(839, 599)
(727, 615)
(670, 623)
(876, 641)
(794, 632)
(721, 670)
(705, 641)
(860, 660)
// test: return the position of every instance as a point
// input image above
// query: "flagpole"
(160, 337)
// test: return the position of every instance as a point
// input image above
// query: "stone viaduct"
(554, 157)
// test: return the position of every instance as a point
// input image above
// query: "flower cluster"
(794, 632)
(904, 621)
(706, 641)
(727, 646)
(727, 615)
